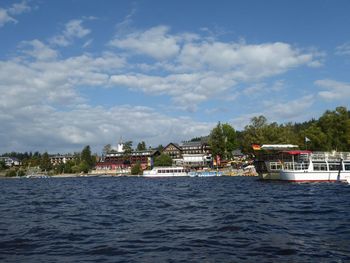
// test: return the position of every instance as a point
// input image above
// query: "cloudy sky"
(77, 72)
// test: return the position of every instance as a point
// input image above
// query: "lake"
(219, 219)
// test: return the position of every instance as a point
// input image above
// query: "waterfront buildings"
(58, 159)
(10, 161)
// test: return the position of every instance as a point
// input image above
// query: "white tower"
(120, 146)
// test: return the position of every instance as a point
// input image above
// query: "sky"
(89, 72)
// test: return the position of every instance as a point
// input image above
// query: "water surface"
(222, 219)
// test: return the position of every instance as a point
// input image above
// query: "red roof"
(295, 152)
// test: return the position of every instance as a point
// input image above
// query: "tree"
(141, 146)
(87, 158)
(222, 141)
(160, 147)
(45, 164)
(128, 148)
(136, 169)
(2, 165)
(106, 149)
(163, 160)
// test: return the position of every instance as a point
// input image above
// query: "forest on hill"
(330, 132)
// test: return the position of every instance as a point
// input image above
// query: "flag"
(256, 147)
(307, 140)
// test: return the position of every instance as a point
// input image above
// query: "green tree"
(136, 169)
(127, 147)
(2, 165)
(141, 146)
(87, 158)
(106, 149)
(84, 167)
(45, 163)
(222, 141)
(160, 147)
(163, 160)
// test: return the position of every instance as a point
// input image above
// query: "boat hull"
(165, 175)
(313, 176)
(269, 176)
(205, 174)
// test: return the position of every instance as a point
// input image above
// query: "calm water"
(227, 219)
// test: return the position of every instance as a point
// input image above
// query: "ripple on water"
(224, 219)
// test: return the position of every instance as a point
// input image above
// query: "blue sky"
(81, 72)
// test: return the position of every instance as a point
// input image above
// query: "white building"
(10, 161)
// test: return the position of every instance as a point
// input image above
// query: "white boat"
(269, 158)
(166, 172)
(205, 174)
(317, 167)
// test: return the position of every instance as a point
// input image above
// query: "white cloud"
(185, 89)
(154, 42)
(43, 79)
(335, 90)
(246, 61)
(19, 8)
(39, 50)
(96, 126)
(343, 49)
(201, 68)
(288, 110)
(73, 30)
(41, 90)
(6, 15)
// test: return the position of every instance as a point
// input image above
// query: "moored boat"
(205, 174)
(269, 158)
(166, 172)
(318, 167)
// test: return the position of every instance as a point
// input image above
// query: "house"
(58, 159)
(173, 150)
(194, 154)
(10, 161)
(118, 160)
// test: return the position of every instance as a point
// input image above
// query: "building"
(173, 150)
(195, 147)
(58, 159)
(194, 154)
(119, 161)
(10, 161)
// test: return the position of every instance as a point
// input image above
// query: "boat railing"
(330, 156)
(295, 166)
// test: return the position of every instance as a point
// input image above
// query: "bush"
(136, 169)
(11, 173)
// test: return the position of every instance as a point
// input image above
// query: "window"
(275, 166)
(347, 166)
(320, 167)
(334, 166)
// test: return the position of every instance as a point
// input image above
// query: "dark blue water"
(227, 219)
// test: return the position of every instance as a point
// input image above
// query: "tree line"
(82, 162)
(329, 132)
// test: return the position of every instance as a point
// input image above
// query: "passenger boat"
(316, 167)
(205, 173)
(269, 158)
(166, 172)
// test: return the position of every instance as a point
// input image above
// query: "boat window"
(347, 166)
(167, 171)
(320, 167)
(334, 167)
(275, 166)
